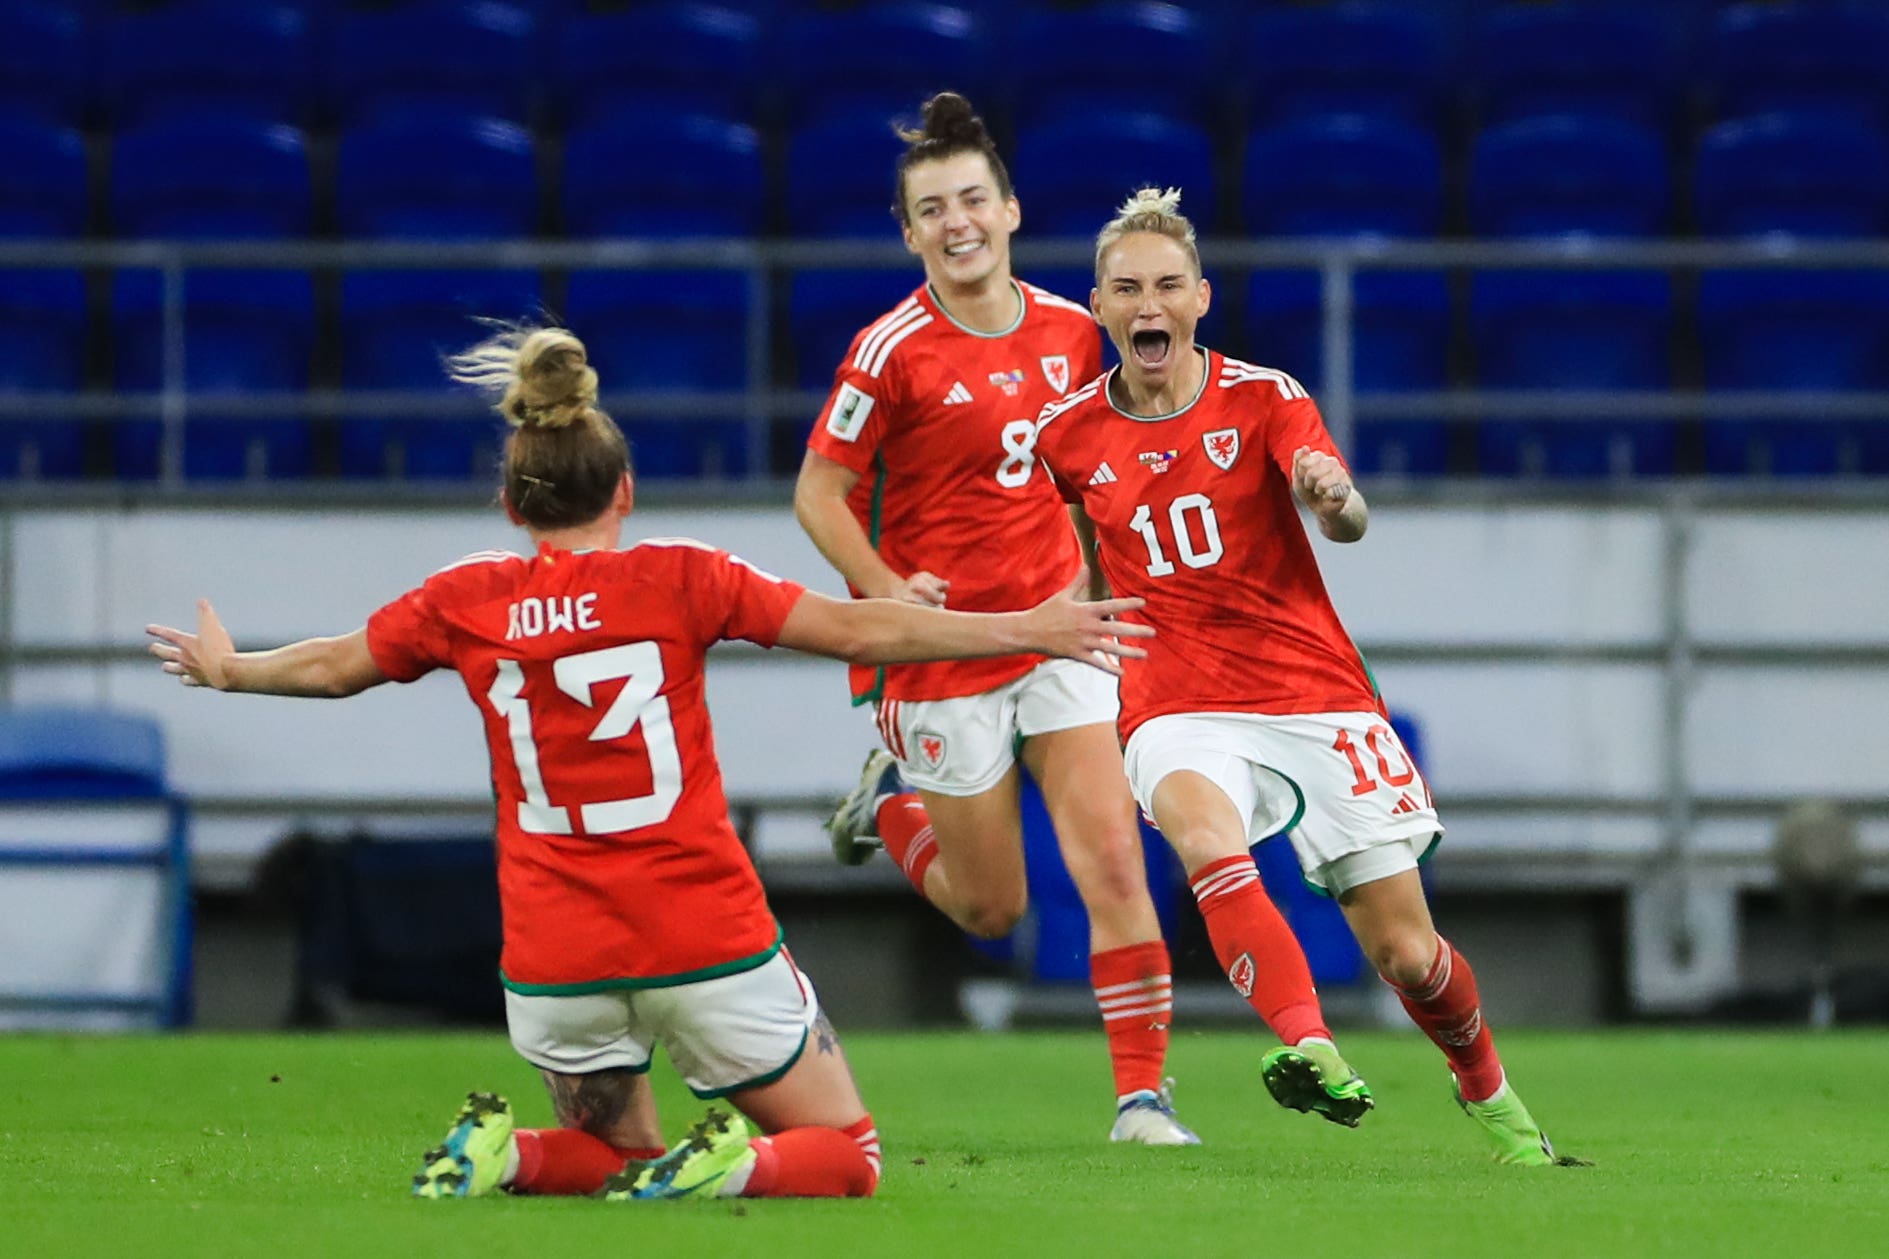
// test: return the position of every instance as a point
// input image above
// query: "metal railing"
(760, 399)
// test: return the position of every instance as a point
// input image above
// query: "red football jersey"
(940, 423)
(617, 864)
(1194, 512)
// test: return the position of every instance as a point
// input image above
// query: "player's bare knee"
(1113, 874)
(1403, 960)
(992, 919)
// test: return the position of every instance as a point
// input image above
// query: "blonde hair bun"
(541, 376)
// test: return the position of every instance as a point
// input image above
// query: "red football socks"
(1257, 950)
(1134, 987)
(567, 1161)
(1446, 1006)
(905, 830)
(816, 1163)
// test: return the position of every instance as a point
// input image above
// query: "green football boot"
(470, 1161)
(1518, 1139)
(697, 1167)
(1312, 1077)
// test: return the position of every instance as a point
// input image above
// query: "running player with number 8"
(920, 483)
(1253, 713)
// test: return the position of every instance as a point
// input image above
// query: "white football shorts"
(723, 1035)
(964, 746)
(1340, 785)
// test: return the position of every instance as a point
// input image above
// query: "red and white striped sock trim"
(916, 854)
(866, 1136)
(1151, 998)
(1223, 878)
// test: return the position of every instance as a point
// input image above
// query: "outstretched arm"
(323, 668)
(887, 631)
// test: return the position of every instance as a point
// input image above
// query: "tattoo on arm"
(595, 1102)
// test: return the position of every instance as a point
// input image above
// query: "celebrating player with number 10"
(1253, 713)
(921, 484)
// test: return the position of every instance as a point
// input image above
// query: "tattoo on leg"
(595, 1102)
(825, 1038)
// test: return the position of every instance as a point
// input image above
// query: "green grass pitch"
(1709, 1143)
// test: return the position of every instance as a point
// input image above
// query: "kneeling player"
(632, 914)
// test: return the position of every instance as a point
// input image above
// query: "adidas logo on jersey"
(1103, 475)
(957, 395)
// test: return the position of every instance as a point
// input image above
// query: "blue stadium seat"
(45, 60)
(1569, 173)
(712, 185)
(827, 308)
(652, 330)
(42, 350)
(1354, 175)
(457, 57)
(679, 56)
(882, 59)
(841, 178)
(56, 752)
(228, 58)
(42, 182)
(244, 331)
(1068, 63)
(1342, 175)
(1799, 57)
(1353, 57)
(210, 178)
(1573, 330)
(1561, 175)
(1082, 167)
(1400, 342)
(437, 178)
(395, 328)
(1794, 330)
(1805, 174)
(1611, 60)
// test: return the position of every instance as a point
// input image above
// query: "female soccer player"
(920, 484)
(632, 914)
(1253, 713)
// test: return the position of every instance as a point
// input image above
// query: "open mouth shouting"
(1152, 346)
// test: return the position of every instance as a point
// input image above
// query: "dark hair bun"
(950, 119)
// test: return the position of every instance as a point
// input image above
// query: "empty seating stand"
(96, 897)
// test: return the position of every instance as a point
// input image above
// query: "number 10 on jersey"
(1186, 515)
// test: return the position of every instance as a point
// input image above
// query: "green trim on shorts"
(875, 520)
(759, 1081)
(1423, 859)
(720, 971)
(1298, 793)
